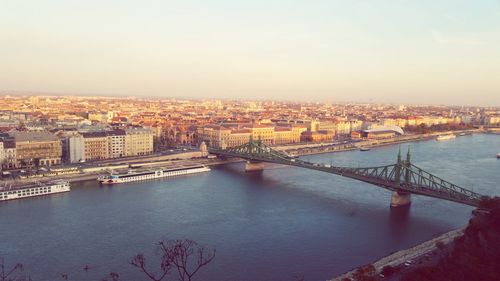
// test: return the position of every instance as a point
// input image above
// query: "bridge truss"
(402, 177)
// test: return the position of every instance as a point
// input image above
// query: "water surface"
(282, 223)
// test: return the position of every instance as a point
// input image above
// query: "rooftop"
(20, 136)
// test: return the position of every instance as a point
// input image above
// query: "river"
(282, 223)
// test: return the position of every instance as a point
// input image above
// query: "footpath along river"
(282, 223)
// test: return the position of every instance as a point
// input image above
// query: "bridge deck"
(402, 177)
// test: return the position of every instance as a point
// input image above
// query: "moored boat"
(133, 176)
(446, 137)
(364, 149)
(33, 189)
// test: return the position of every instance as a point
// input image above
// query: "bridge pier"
(254, 166)
(400, 199)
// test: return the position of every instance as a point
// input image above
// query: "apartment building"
(37, 148)
(95, 145)
(138, 141)
(116, 143)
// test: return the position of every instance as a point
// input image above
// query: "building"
(286, 135)
(282, 135)
(95, 146)
(214, 135)
(76, 149)
(138, 141)
(343, 128)
(318, 136)
(264, 133)
(327, 126)
(37, 148)
(186, 135)
(9, 152)
(73, 146)
(232, 135)
(98, 116)
(378, 133)
(237, 137)
(493, 120)
(116, 143)
(2, 152)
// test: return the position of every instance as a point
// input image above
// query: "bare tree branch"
(139, 261)
(179, 252)
(9, 274)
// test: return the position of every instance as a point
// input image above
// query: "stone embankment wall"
(400, 257)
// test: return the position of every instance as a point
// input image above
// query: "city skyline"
(385, 52)
(27, 94)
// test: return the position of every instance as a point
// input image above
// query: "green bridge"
(402, 178)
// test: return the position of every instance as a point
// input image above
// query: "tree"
(365, 273)
(11, 274)
(473, 255)
(177, 254)
(388, 270)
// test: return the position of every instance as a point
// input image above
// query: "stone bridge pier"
(400, 199)
(254, 166)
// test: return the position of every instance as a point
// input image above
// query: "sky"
(395, 51)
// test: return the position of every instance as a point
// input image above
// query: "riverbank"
(409, 258)
(328, 148)
(187, 159)
(95, 172)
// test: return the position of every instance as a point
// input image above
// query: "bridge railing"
(402, 176)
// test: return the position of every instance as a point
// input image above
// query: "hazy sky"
(381, 51)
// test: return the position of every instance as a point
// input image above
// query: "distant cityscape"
(38, 131)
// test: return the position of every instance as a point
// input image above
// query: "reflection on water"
(400, 215)
(273, 225)
(399, 221)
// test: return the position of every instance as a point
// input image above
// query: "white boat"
(364, 149)
(498, 155)
(133, 176)
(33, 189)
(446, 137)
